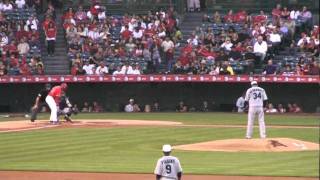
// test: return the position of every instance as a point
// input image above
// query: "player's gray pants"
(34, 112)
(253, 111)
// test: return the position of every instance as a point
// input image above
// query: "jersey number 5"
(256, 95)
(168, 169)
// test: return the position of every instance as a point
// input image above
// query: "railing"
(159, 79)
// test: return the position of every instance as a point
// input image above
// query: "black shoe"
(68, 119)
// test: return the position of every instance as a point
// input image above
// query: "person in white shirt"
(256, 97)
(94, 34)
(240, 104)
(134, 71)
(294, 14)
(275, 36)
(32, 23)
(118, 71)
(168, 167)
(88, 68)
(102, 14)
(20, 3)
(126, 68)
(271, 109)
(7, 6)
(227, 45)
(137, 33)
(102, 69)
(304, 39)
(260, 48)
(129, 107)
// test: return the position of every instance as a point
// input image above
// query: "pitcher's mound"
(252, 145)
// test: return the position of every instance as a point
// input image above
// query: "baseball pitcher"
(168, 167)
(257, 99)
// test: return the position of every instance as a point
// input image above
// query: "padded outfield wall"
(113, 96)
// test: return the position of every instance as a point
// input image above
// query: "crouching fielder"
(257, 99)
(53, 100)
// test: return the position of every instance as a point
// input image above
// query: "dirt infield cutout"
(16, 126)
(251, 145)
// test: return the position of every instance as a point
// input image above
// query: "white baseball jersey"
(255, 96)
(168, 167)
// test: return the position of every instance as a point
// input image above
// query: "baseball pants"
(53, 107)
(253, 111)
(34, 112)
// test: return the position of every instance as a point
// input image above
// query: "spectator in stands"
(275, 39)
(118, 71)
(260, 48)
(204, 107)
(168, 49)
(3, 69)
(51, 33)
(270, 69)
(227, 45)
(226, 69)
(314, 68)
(23, 47)
(135, 70)
(276, 14)
(287, 71)
(281, 109)
(102, 69)
(7, 6)
(271, 109)
(193, 5)
(89, 68)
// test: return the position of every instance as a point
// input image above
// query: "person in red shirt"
(51, 33)
(53, 99)
(276, 13)
(126, 34)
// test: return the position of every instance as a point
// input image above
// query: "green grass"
(136, 149)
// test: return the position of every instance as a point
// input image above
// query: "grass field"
(136, 149)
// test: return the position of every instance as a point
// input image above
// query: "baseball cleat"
(68, 119)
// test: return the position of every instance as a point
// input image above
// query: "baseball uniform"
(40, 101)
(168, 167)
(255, 96)
(53, 100)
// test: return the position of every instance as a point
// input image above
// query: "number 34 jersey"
(255, 96)
(168, 167)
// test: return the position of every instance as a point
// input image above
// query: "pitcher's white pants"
(53, 108)
(253, 111)
(193, 4)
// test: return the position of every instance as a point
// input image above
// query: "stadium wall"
(113, 96)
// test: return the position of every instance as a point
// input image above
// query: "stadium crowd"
(234, 43)
(282, 42)
(20, 38)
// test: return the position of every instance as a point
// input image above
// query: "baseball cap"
(166, 148)
(254, 83)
